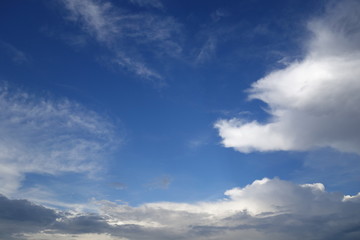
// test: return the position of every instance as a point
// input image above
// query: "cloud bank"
(265, 209)
(313, 102)
(44, 136)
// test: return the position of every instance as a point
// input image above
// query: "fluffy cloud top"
(40, 135)
(313, 102)
(265, 209)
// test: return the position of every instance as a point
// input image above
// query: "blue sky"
(128, 112)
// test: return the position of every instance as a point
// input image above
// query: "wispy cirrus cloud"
(96, 18)
(46, 136)
(126, 34)
(267, 208)
(16, 55)
(313, 102)
(207, 51)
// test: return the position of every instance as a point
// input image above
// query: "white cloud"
(125, 33)
(313, 102)
(97, 18)
(350, 198)
(44, 136)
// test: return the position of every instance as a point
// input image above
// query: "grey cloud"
(17, 216)
(22, 217)
(25, 211)
(82, 224)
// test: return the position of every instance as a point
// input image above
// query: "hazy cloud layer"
(40, 135)
(313, 102)
(265, 209)
(125, 33)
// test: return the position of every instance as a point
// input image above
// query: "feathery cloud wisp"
(125, 33)
(39, 135)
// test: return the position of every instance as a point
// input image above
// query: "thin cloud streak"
(207, 51)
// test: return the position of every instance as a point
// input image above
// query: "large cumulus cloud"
(313, 102)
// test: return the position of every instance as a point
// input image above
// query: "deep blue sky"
(168, 148)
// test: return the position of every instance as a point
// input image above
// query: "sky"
(159, 119)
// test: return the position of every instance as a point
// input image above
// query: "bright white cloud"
(39, 135)
(313, 102)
